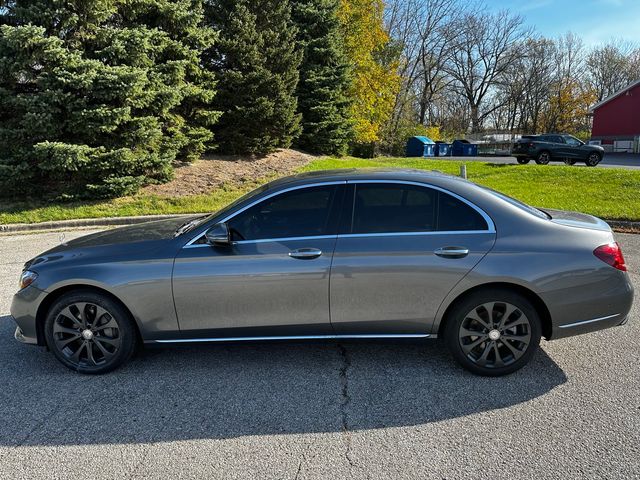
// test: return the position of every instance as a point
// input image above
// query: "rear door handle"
(305, 253)
(452, 252)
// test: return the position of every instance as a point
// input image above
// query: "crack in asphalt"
(345, 401)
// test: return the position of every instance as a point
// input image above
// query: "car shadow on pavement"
(224, 391)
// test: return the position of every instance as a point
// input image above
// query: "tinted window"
(572, 141)
(455, 215)
(389, 208)
(298, 213)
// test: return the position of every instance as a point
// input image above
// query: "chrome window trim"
(266, 197)
(296, 337)
(491, 229)
(585, 322)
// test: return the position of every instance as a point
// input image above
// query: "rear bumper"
(611, 309)
(24, 308)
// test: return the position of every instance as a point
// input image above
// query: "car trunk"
(576, 219)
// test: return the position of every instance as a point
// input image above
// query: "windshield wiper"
(185, 227)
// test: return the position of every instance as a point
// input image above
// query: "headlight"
(27, 278)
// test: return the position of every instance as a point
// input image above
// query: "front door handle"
(452, 252)
(305, 253)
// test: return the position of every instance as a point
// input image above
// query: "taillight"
(611, 254)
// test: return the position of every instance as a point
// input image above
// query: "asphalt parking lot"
(348, 410)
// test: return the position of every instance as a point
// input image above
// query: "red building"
(616, 120)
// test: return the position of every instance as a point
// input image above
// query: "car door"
(573, 147)
(404, 248)
(273, 280)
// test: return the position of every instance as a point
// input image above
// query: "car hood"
(577, 219)
(141, 232)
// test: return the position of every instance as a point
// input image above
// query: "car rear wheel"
(493, 333)
(593, 159)
(522, 160)
(543, 158)
(89, 332)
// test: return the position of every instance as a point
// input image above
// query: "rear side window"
(397, 208)
(455, 215)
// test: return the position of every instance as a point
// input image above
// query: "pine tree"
(324, 78)
(256, 60)
(99, 98)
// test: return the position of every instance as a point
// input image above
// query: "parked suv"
(556, 147)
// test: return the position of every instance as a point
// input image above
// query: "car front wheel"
(493, 333)
(593, 159)
(89, 332)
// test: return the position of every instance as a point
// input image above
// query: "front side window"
(574, 142)
(397, 208)
(298, 213)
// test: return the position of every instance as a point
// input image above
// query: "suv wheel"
(570, 161)
(543, 158)
(593, 159)
(89, 332)
(522, 160)
(493, 332)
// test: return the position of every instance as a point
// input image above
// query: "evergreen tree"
(99, 98)
(256, 62)
(324, 78)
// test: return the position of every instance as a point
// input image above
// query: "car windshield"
(518, 203)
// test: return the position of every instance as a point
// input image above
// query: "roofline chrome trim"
(297, 337)
(284, 190)
(491, 228)
(584, 322)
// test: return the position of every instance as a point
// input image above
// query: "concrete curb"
(82, 223)
(617, 225)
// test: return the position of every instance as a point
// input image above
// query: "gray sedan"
(349, 254)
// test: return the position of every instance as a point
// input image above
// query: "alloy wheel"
(86, 334)
(543, 159)
(495, 334)
(593, 160)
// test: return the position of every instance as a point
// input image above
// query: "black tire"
(522, 160)
(516, 342)
(593, 159)
(570, 161)
(543, 158)
(110, 343)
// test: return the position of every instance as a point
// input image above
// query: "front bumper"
(24, 309)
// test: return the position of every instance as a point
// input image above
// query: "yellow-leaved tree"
(375, 81)
(567, 111)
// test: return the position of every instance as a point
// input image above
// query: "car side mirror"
(218, 235)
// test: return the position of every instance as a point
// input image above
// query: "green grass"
(605, 192)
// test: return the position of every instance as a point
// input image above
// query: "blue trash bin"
(442, 149)
(429, 150)
(463, 148)
(417, 147)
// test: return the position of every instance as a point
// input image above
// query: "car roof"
(398, 174)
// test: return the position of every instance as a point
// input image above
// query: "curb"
(617, 225)
(82, 222)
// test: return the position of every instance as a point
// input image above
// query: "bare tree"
(423, 28)
(485, 49)
(613, 66)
